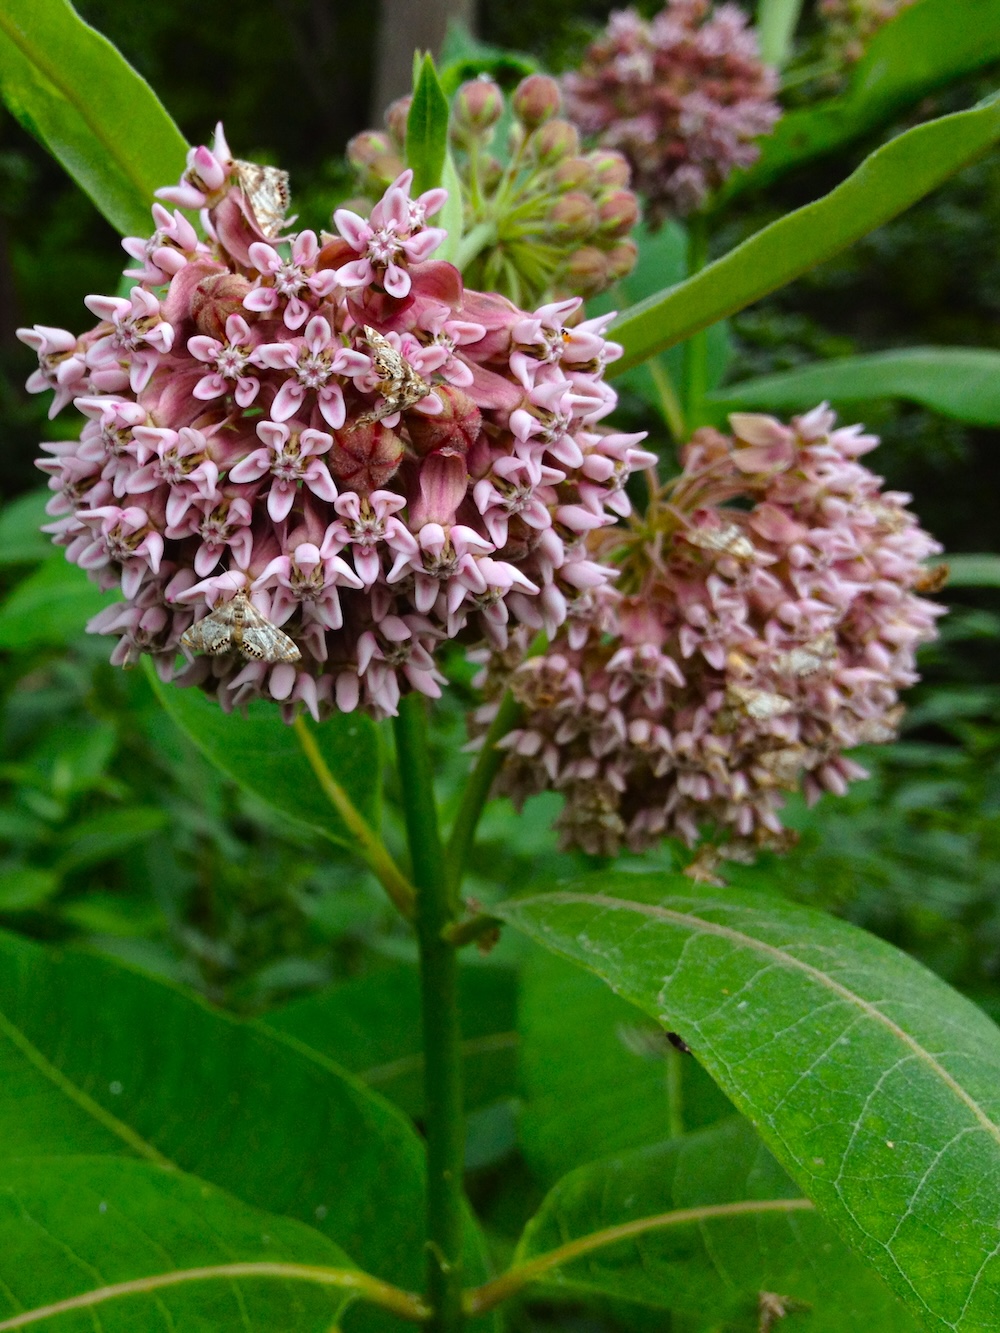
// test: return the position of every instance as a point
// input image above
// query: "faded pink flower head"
(380, 459)
(764, 643)
(683, 97)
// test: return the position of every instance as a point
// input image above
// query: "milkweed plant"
(334, 469)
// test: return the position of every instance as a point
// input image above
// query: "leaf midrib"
(80, 1098)
(67, 90)
(786, 960)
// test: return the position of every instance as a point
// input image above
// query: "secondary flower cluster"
(375, 458)
(744, 651)
(683, 96)
(549, 217)
(851, 24)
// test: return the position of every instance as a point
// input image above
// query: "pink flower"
(394, 231)
(230, 360)
(315, 361)
(289, 281)
(292, 459)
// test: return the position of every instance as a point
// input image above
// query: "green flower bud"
(395, 120)
(610, 168)
(621, 260)
(586, 271)
(536, 99)
(477, 107)
(618, 213)
(553, 142)
(574, 217)
(574, 173)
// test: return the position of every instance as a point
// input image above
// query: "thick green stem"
(435, 912)
(696, 348)
(477, 789)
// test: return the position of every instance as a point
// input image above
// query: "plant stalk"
(696, 348)
(477, 790)
(443, 1122)
(776, 24)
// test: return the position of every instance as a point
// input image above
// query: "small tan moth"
(398, 383)
(237, 626)
(266, 189)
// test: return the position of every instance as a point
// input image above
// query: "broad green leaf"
(427, 129)
(973, 571)
(71, 1225)
(450, 216)
(959, 382)
(20, 539)
(371, 1026)
(875, 1085)
(581, 1046)
(886, 183)
(25, 887)
(263, 754)
(925, 47)
(714, 1221)
(96, 1058)
(80, 98)
(51, 606)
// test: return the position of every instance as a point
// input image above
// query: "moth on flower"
(237, 626)
(266, 191)
(398, 383)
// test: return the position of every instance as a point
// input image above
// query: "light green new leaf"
(70, 1226)
(887, 182)
(96, 1058)
(926, 47)
(874, 1084)
(427, 129)
(959, 382)
(51, 606)
(371, 1026)
(581, 1046)
(263, 754)
(80, 98)
(710, 1220)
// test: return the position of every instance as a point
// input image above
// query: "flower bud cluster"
(743, 652)
(683, 97)
(374, 457)
(851, 24)
(548, 216)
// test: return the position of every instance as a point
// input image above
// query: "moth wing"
(213, 635)
(266, 189)
(263, 642)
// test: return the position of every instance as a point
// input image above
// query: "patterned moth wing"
(238, 626)
(398, 383)
(266, 189)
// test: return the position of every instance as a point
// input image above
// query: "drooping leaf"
(959, 382)
(263, 754)
(884, 185)
(96, 1058)
(427, 129)
(20, 539)
(875, 1085)
(582, 1047)
(710, 1233)
(51, 606)
(927, 46)
(371, 1026)
(80, 98)
(71, 1225)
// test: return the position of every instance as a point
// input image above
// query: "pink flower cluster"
(683, 97)
(378, 458)
(744, 651)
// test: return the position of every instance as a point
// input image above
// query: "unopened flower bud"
(396, 117)
(574, 216)
(573, 173)
(587, 270)
(554, 141)
(477, 107)
(618, 213)
(536, 99)
(456, 427)
(365, 456)
(373, 153)
(609, 167)
(621, 259)
(215, 299)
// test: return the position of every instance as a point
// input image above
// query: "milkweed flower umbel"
(379, 459)
(743, 652)
(683, 97)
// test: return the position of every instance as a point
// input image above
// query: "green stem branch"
(491, 1294)
(477, 790)
(435, 912)
(696, 348)
(776, 24)
(402, 1303)
(368, 844)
